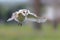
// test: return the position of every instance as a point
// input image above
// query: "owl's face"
(24, 11)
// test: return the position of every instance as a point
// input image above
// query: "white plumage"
(24, 13)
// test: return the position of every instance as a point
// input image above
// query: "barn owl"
(25, 15)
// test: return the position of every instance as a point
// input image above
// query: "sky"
(21, 1)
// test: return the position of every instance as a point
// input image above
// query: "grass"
(15, 32)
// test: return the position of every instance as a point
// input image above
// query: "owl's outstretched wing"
(12, 17)
(36, 20)
(31, 15)
(31, 20)
(42, 20)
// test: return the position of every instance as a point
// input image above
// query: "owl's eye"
(23, 12)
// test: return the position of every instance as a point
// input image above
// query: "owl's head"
(24, 11)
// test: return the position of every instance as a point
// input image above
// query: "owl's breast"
(20, 17)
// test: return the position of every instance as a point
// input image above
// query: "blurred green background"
(11, 30)
(15, 32)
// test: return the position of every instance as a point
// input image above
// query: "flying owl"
(24, 15)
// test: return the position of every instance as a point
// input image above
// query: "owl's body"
(21, 17)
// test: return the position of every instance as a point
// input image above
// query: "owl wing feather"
(36, 20)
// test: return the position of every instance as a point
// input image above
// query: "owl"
(25, 15)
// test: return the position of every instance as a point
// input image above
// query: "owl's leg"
(19, 24)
